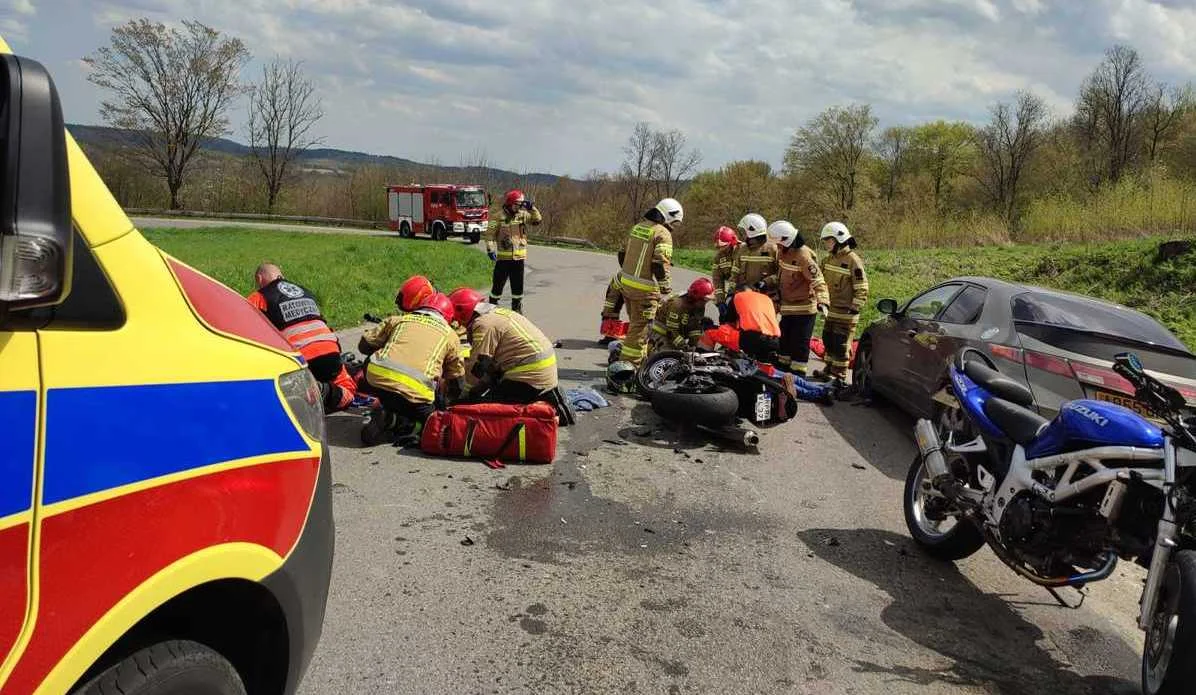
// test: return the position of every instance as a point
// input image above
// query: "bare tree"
(832, 144)
(1165, 110)
(283, 109)
(639, 164)
(1111, 110)
(672, 162)
(172, 87)
(1006, 146)
(893, 149)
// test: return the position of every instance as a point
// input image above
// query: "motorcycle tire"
(1168, 666)
(960, 541)
(715, 407)
(654, 367)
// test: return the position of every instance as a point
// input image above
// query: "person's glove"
(528, 205)
(493, 255)
(824, 310)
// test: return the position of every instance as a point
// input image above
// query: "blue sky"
(542, 85)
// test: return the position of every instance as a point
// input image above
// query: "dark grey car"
(1059, 344)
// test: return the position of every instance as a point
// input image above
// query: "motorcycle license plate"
(763, 407)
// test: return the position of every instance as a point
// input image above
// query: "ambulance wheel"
(168, 668)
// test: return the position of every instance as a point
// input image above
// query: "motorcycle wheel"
(715, 407)
(654, 370)
(929, 526)
(1168, 666)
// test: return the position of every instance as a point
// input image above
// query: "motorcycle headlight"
(302, 393)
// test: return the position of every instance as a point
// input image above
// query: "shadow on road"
(880, 433)
(993, 647)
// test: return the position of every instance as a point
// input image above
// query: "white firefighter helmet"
(835, 230)
(671, 210)
(620, 377)
(753, 225)
(785, 234)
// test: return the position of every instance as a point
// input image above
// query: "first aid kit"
(493, 432)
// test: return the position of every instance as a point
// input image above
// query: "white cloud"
(557, 86)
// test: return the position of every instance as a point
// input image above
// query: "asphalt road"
(646, 560)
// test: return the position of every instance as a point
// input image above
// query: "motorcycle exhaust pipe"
(931, 450)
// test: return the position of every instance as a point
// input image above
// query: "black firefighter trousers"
(504, 270)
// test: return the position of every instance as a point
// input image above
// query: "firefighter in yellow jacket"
(726, 243)
(803, 295)
(507, 246)
(678, 322)
(847, 284)
(755, 263)
(410, 358)
(647, 260)
(513, 361)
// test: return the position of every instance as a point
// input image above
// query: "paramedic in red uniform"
(294, 312)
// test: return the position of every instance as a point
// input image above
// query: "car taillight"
(1049, 363)
(1006, 353)
(1104, 378)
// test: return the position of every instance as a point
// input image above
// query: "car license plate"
(1126, 402)
(763, 407)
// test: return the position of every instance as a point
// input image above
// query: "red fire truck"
(439, 210)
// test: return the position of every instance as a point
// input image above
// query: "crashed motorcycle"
(1060, 501)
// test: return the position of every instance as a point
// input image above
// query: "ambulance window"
(92, 302)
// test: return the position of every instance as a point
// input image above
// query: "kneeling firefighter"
(512, 359)
(803, 295)
(294, 312)
(411, 357)
(847, 284)
(678, 322)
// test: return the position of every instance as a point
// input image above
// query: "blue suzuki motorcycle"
(1060, 501)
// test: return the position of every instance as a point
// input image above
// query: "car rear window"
(1082, 314)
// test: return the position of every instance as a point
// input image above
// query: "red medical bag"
(524, 433)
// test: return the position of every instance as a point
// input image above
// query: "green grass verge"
(349, 274)
(1122, 272)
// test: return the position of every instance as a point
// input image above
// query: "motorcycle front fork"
(1163, 547)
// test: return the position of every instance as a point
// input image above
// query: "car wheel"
(862, 373)
(168, 668)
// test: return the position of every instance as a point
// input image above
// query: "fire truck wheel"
(176, 666)
(405, 231)
(475, 237)
(438, 232)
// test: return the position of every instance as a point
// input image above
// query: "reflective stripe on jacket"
(802, 287)
(847, 284)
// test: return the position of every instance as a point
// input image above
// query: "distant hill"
(324, 158)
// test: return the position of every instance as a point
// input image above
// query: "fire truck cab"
(439, 210)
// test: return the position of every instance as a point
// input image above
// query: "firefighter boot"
(517, 305)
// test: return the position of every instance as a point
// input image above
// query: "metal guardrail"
(325, 221)
(259, 217)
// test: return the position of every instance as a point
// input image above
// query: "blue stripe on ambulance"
(18, 412)
(98, 438)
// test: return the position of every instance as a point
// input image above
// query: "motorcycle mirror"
(1130, 360)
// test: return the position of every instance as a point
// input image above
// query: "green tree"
(830, 148)
(943, 151)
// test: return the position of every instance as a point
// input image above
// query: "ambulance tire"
(168, 668)
(715, 407)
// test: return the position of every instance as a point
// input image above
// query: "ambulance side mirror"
(35, 196)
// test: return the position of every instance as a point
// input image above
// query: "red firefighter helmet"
(465, 301)
(439, 303)
(514, 197)
(701, 289)
(413, 292)
(725, 236)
